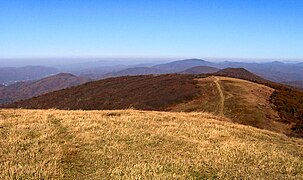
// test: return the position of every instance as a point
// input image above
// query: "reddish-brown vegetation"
(289, 103)
(240, 73)
(28, 89)
(161, 92)
(140, 92)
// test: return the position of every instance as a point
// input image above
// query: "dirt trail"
(221, 110)
(74, 163)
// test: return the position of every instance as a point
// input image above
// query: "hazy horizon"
(254, 29)
(65, 61)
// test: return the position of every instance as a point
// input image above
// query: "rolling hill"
(97, 72)
(129, 144)
(275, 71)
(257, 102)
(133, 72)
(28, 89)
(300, 64)
(200, 70)
(242, 101)
(12, 74)
(297, 84)
(147, 92)
(240, 73)
(182, 65)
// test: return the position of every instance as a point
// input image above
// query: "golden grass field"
(241, 101)
(130, 144)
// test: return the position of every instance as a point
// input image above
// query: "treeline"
(289, 103)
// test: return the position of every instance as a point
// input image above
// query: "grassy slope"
(245, 102)
(139, 144)
(273, 107)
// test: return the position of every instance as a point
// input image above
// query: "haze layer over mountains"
(289, 73)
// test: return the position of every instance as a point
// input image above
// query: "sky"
(268, 29)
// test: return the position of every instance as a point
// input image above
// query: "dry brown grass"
(130, 144)
(244, 102)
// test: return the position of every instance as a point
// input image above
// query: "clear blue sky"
(151, 28)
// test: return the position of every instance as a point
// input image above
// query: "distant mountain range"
(28, 89)
(133, 72)
(200, 70)
(23, 81)
(97, 72)
(166, 68)
(298, 84)
(10, 75)
(300, 64)
(261, 104)
(27, 84)
(182, 65)
(274, 71)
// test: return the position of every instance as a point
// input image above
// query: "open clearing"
(130, 144)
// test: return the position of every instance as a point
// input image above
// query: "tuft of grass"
(130, 144)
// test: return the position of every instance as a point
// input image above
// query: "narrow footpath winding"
(221, 106)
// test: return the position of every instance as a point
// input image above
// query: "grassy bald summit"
(128, 144)
(240, 73)
(268, 106)
(203, 132)
(242, 101)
